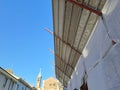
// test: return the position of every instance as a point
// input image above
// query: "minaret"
(38, 83)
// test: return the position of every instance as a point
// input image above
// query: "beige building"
(48, 84)
(52, 84)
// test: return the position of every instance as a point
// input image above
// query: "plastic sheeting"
(111, 15)
(101, 57)
(69, 87)
(98, 45)
(79, 73)
(111, 68)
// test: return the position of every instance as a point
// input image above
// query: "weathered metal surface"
(82, 5)
(74, 24)
(72, 28)
(67, 18)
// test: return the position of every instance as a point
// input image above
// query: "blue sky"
(23, 41)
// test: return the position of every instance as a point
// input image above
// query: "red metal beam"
(86, 7)
(62, 40)
(67, 44)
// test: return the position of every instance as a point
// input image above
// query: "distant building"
(49, 84)
(52, 84)
(9, 81)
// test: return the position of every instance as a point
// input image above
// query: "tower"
(38, 82)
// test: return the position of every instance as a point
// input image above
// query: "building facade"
(8, 81)
(51, 84)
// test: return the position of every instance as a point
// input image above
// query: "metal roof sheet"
(72, 28)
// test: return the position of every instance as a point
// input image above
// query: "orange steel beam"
(62, 40)
(86, 7)
(67, 44)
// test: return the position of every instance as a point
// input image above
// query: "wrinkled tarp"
(100, 56)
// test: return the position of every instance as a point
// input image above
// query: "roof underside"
(72, 28)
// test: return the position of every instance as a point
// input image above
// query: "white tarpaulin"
(111, 14)
(97, 47)
(78, 74)
(111, 68)
(101, 57)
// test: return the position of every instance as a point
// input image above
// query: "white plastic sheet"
(111, 68)
(111, 14)
(69, 86)
(106, 74)
(97, 46)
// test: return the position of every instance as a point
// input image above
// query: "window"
(5, 82)
(9, 85)
(12, 84)
(17, 87)
(54, 84)
(25, 88)
(49, 84)
(22, 88)
(0, 76)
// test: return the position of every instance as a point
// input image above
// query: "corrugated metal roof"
(72, 28)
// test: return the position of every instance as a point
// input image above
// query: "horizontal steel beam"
(62, 40)
(67, 44)
(86, 7)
